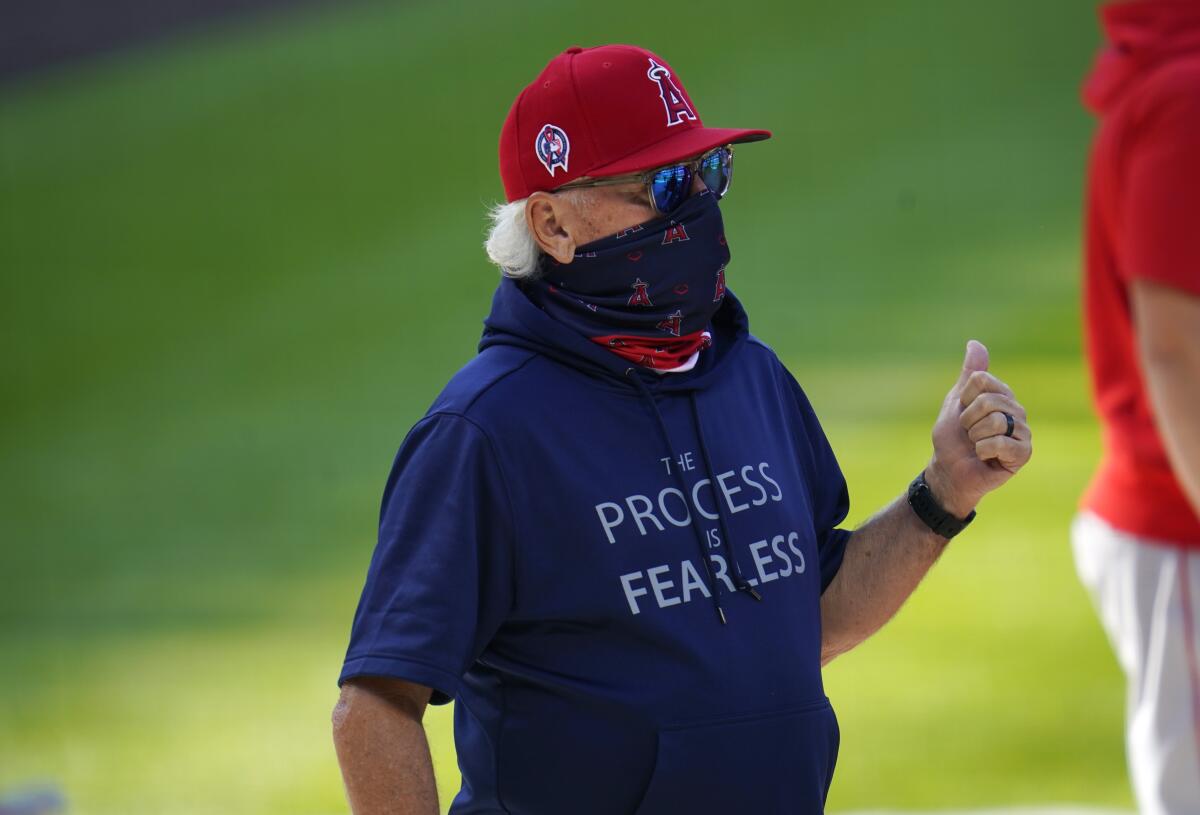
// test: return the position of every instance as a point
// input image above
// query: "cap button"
(574, 49)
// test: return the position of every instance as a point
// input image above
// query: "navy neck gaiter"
(648, 292)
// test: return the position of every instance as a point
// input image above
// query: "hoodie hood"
(1141, 35)
(516, 321)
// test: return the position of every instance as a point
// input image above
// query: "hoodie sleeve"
(1159, 211)
(828, 492)
(440, 580)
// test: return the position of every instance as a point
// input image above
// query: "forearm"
(1167, 320)
(384, 755)
(1173, 379)
(885, 560)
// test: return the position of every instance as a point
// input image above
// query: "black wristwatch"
(921, 499)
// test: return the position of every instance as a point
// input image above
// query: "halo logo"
(672, 98)
(640, 296)
(672, 324)
(552, 147)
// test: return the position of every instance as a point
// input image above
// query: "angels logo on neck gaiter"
(648, 292)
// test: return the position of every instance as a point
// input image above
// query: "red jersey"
(1143, 222)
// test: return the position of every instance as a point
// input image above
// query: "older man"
(613, 538)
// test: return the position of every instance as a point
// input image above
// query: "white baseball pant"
(1147, 594)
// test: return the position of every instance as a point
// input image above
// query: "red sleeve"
(1161, 207)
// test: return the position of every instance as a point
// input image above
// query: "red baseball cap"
(602, 111)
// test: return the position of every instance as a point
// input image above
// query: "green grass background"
(237, 267)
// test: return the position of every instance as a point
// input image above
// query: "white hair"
(509, 243)
(511, 246)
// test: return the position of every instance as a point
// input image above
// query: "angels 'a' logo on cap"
(673, 100)
(552, 147)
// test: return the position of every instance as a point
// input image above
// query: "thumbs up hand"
(976, 446)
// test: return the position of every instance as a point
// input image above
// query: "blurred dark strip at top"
(40, 34)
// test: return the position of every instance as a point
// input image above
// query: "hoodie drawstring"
(739, 582)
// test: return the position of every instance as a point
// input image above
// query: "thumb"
(976, 359)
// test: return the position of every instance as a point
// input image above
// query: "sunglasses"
(668, 187)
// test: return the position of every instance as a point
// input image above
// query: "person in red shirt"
(1137, 537)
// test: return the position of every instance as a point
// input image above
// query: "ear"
(550, 219)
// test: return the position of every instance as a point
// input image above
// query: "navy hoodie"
(542, 560)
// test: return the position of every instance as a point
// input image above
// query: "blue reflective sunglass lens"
(716, 171)
(670, 186)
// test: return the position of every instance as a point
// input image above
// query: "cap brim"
(677, 147)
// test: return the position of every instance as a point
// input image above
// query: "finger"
(991, 403)
(976, 359)
(995, 424)
(982, 382)
(1011, 454)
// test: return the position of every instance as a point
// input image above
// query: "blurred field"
(237, 268)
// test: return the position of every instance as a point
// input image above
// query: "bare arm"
(381, 747)
(888, 556)
(885, 560)
(1168, 329)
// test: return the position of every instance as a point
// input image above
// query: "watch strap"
(931, 513)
